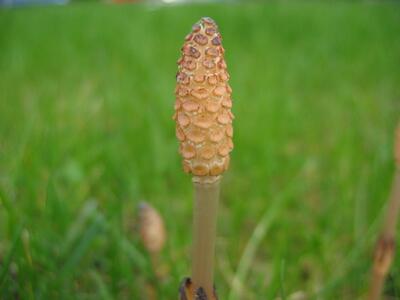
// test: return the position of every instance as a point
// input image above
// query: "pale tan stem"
(392, 214)
(385, 246)
(377, 282)
(204, 232)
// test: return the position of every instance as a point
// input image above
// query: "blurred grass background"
(86, 99)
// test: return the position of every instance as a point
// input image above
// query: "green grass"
(86, 99)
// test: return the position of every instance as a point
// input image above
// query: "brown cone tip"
(152, 228)
(397, 147)
(203, 102)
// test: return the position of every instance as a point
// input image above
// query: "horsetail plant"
(204, 129)
(385, 245)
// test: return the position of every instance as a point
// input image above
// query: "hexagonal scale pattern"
(203, 102)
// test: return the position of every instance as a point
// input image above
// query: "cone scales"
(203, 102)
